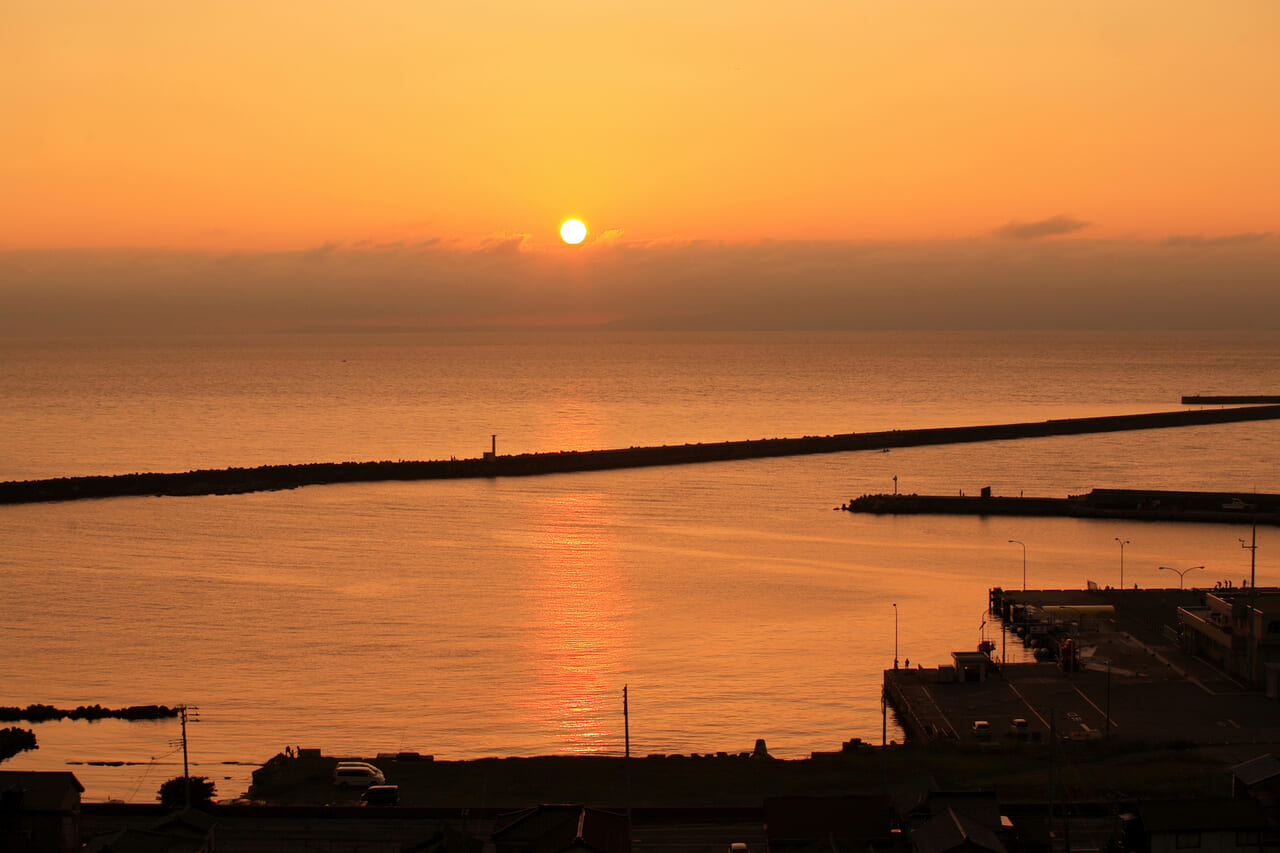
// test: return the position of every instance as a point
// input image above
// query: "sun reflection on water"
(579, 645)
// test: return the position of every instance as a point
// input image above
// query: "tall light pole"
(1181, 572)
(895, 635)
(1122, 542)
(1024, 561)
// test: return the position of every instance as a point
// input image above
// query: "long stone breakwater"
(274, 477)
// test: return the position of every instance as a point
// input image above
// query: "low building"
(953, 832)
(1199, 826)
(186, 831)
(945, 820)
(831, 823)
(563, 828)
(1258, 778)
(1239, 630)
(39, 812)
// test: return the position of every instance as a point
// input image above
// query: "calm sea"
(504, 617)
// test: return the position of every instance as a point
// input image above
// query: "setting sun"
(573, 231)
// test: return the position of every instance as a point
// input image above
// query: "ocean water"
(505, 616)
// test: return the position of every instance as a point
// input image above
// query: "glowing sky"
(288, 126)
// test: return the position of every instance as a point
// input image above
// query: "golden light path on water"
(578, 651)
(578, 598)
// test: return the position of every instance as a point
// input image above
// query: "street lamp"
(895, 635)
(1024, 561)
(1181, 572)
(1122, 542)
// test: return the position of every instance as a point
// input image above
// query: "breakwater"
(37, 713)
(1133, 504)
(274, 477)
(14, 741)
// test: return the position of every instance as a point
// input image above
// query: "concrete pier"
(1132, 681)
(1132, 504)
(1229, 399)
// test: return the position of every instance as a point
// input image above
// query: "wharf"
(1229, 399)
(1130, 504)
(275, 477)
(1133, 685)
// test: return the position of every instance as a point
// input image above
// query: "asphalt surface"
(1134, 683)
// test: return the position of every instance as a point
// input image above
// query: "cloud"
(504, 244)
(1051, 227)
(611, 235)
(959, 284)
(1241, 239)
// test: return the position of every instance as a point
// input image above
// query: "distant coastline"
(277, 477)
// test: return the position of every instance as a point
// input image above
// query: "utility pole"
(186, 712)
(1053, 750)
(626, 756)
(1253, 556)
(1108, 699)
(1253, 597)
(884, 717)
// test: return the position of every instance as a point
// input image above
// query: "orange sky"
(246, 165)
(288, 124)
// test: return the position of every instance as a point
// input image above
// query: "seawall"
(273, 477)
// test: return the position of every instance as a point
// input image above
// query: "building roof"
(1257, 770)
(1202, 815)
(867, 819)
(950, 830)
(971, 658)
(981, 806)
(191, 822)
(143, 841)
(34, 791)
(554, 828)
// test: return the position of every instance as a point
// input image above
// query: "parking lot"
(1132, 683)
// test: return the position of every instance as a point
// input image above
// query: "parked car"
(981, 729)
(359, 764)
(357, 775)
(381, 795)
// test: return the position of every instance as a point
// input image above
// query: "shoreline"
(682, 781)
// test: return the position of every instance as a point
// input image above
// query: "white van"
(357, 775)
(358, 764)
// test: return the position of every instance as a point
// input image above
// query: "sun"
(573, 231)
